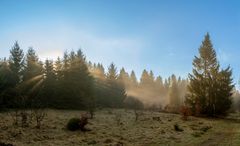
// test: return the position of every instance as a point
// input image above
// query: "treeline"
(153, 92)
(72, 82)
(65, 83)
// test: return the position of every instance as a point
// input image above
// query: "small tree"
(38, 111)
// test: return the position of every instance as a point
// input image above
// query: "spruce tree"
(145, 79)
(116, 89)
(210, 88)
(112, 72)
(33, 67)
(133, 79)
(48, 91)
(174, 99)
(123, 78)
(76, 85)
(16, 62)
(58, 68)
(100, 71)
(7, 84)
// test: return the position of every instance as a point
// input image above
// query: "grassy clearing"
(106, 130)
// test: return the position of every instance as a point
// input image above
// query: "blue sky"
(161, 35)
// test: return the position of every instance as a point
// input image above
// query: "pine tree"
(116, 89)
(133, 79)
(174, 99)
(58, 68)
(7, 85)
(100, 84)
(33, 67)
(159, 88)
(151, 77)
(101, 71)
(144, 80)
(76, 85)
(48, 92)
(112, 72)
(210, 88)
(123, 78)
(16, 62)
(32, 75)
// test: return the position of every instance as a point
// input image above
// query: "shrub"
(39, 115)
(78, 123)
(185, 112)
(83, 122)
(177, 128)
(73, 124)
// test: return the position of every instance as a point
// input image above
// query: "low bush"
(185, 112)
(73, 124)
(177, 128)
(78, 123)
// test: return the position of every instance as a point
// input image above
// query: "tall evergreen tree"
(133, 79)
(32, 74)
(16, 62)
(159, 88)
(33, 67)
(58, 68)
(100, 71)
(144, 80)
(116, 89)
(174, 99)
(48, 91)
(112, 72)
(76, 86)
(210, 88)
(7, 83)
(123, 78)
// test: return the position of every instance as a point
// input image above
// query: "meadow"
(116, 127)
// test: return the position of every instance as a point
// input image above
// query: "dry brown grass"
(105, 131)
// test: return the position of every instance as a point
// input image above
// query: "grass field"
(105, 131)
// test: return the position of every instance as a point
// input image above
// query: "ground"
(105, 130)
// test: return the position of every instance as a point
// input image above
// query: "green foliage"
(49, 82)
(32, 75)
(16, 62)
(210, 88)
(116, 87)
(75, 84)
(7, 84)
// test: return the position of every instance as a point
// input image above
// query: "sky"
(159, 35)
